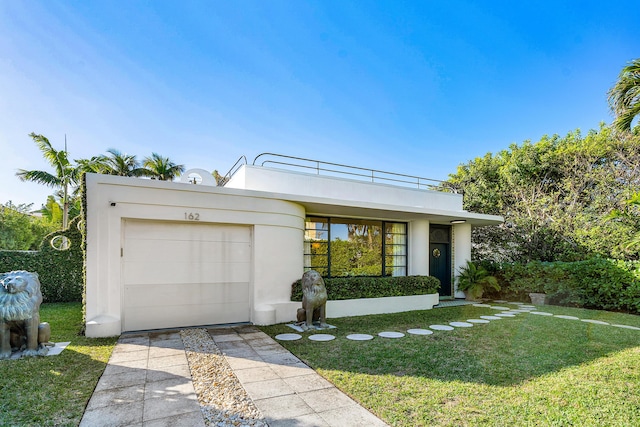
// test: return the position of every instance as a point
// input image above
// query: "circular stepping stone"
(627, 327)
(517, 303)
(520, 310)
(500, 301)
(391, 334)
(562, 316)
(527, 306)
(420, 332)
(288, 337)
(597, 322)
(481, 305)
(321, 337)
(498, 307)
(541, 313)
(360, 337)
(477, 321)
(490, 317)
(461, 324)
(441, 327)
(504, 314)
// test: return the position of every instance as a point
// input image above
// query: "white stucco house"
(172, 254)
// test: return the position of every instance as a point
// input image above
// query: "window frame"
(386, 270)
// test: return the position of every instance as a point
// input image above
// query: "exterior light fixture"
(458, 221)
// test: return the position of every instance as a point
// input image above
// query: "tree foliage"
(21, 231)
(161, 168)
(67, 174)
(624, 96)
(556, 196)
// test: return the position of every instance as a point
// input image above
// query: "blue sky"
(415, 87)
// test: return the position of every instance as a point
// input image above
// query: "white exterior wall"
(418, 248)
(461, 252)
(277, 237)
(273, 204)
(304, 184)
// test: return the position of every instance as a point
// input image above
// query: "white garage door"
(185, 274)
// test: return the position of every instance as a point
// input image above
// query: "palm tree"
(474, 279)
(120, 164)
(624, 96)
(158, 167)
(66, 173)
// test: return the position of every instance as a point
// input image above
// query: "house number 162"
(192, 216)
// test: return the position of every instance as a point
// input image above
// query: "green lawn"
(47, 391)
(528, 370)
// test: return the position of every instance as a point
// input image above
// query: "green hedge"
(60, 272)
(341, 288)
(598, 283)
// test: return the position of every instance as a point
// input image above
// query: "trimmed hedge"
(60, 271)
(341, 288)
(597, 283)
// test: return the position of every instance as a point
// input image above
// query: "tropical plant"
(624, 96)
(117, 163)
(161, 168)
(66, 175)
(474, 279)
(52, 210)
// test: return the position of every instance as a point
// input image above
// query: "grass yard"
(526, 371)
(48, 391)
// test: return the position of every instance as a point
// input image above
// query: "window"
(337, 247)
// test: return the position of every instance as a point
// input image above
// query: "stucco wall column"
(461, 251)
(419, 248)
(278, 262)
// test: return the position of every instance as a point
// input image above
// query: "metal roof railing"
(339, 170)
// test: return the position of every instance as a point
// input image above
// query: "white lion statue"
(20, 327)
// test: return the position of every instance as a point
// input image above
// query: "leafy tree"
(158, 167)
(52, 210)
(66, 175)
(220, 179)
(630, 212)
(19, 230)
(624, 96)
(555, 196)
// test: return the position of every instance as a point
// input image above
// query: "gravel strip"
(222, 399)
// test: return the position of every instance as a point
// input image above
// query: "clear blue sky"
(416, 87)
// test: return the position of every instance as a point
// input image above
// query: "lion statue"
(20, 327)
(314, 301)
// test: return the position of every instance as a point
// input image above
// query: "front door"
(440, 266)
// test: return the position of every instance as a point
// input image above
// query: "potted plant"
(474, 279)
(538, 298)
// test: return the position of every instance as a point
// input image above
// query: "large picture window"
(338, 247)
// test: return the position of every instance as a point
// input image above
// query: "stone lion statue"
(20, 327)
(314, 301)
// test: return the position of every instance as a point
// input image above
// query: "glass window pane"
(356, 247)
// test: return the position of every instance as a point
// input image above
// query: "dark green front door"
(440, 266)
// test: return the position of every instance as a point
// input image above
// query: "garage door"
(185, 274)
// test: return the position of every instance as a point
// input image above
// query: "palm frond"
(41, 177)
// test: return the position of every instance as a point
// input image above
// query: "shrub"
(341, 288)
(60, 271)
(598, 283)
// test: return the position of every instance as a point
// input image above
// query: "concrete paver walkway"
(147, 383)
(285, 390)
